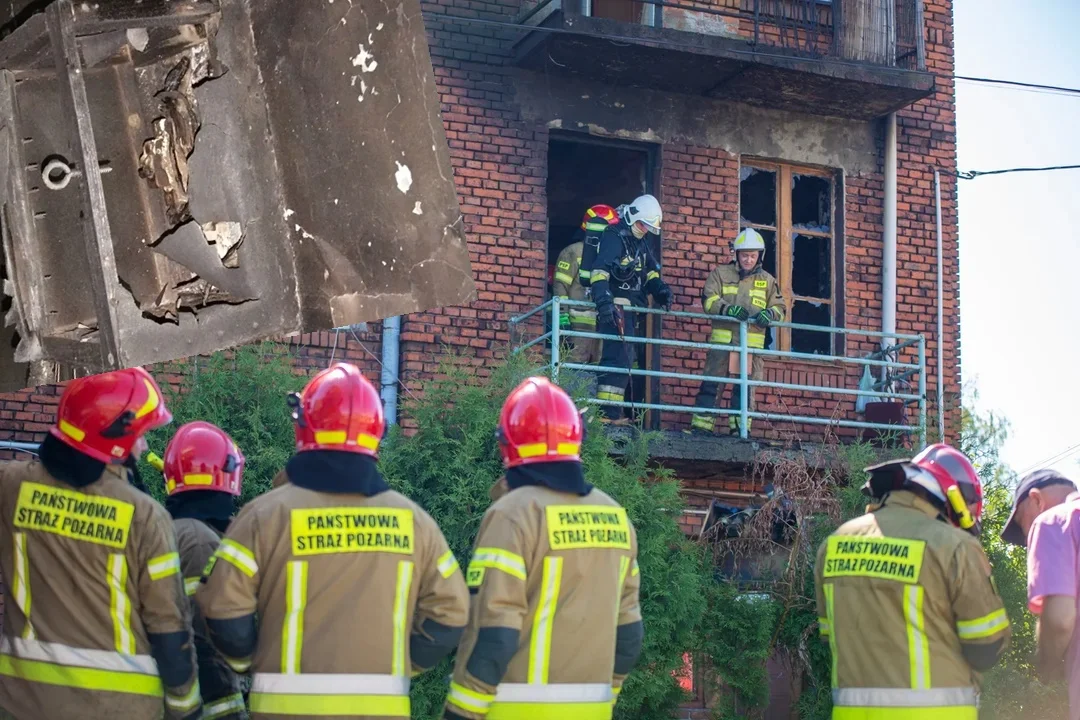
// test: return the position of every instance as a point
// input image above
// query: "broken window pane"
(757, 197)
(811, 266)
(769, 263)
(811, 203)
(811, 341)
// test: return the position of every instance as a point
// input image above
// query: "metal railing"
(898, 373)
(875, 32)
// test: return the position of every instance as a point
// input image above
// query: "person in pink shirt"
(1046, 518)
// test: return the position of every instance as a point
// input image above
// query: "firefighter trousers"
(615, 354)
(716, 364)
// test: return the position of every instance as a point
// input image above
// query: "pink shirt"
(1054, 569)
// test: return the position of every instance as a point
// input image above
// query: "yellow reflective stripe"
(349, 705)
(447, 564)
(21, 585)
(240, 666)
(702, 423)
(598, 275)
(79, 677)
(532, 449)
(757, 293)
(651, 275)
(720, 335)
(586, 320)
(120, 604)
(238, 555)
(584, 274)
(982, 627)
(540, 643)
(710, 301)
(565, 448)
(624, 567)
(469, 700)
(564, 278)
(918, 643)
(548, 711)
(71, 431)
(635, 571)
(191, 584)
(152, 401)
(224, 706)
(755, 340)
(950, 712)
(292, 629)
(187, 702)
(401, 614)
(599, 226)
(823, 625)
(830, 615)
(613, 397)
(729, 289)
(164, 565)
(508, 562)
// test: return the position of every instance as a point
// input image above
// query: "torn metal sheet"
(237, 170)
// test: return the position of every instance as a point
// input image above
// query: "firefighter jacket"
(568, 285)
(223, 698)
(907, 605)
(756, 292)
(555, 626)
(96, 624)
(624, 270)
(355, 593)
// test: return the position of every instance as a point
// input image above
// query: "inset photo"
(180, 178)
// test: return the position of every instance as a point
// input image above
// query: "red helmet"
(598, 216)
(104, 415)
(948, 475)
(339, 410)
(202, 456)
(539, 423)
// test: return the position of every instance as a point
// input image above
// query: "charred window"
(793, 208)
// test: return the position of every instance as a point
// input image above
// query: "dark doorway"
(585, 171)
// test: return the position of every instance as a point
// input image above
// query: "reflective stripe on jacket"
(548, 566)
(354, 595)
(96, 616)
(756, 292)
(568, 285)
(901, 594)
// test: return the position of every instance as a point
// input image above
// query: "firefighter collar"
(908, 499)
(336, 471)
(567, 477)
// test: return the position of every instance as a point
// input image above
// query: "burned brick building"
(824, 124)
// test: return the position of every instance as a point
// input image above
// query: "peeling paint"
(403, 176)
(379, 26)
(365, 60)
(288, 211)
(416, 209)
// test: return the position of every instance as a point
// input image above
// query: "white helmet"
(749, 239)
(646, 210)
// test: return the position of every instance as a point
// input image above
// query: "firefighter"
(202, 470)
(737, 292)
(96, 624)
(622, 275)
(905, 598)
(354, 585)
(571, 277)
(554, 558)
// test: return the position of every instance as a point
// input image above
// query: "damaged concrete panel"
(656, 116)
(187, 176)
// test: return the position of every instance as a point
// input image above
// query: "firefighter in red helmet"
(96, 624)
(202, 471)
(554, 555)
(912, 563)
(331, 549)
(571, 281)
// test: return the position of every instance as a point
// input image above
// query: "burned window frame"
(784, 245)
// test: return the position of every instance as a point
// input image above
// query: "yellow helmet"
(749, 239)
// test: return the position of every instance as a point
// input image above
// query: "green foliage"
(243, 392)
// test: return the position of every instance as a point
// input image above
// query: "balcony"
(856, 59)
(892, 408)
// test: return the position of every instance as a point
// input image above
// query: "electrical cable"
(972, 174)
(1055, 458)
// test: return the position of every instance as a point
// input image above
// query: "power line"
(1018, 84)
(972, 174)
(1055, 458)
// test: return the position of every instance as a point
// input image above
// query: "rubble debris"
(226, 238)
(164, 159)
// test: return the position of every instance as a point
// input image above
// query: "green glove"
(736, 311)
(763, 318)
(564, 321)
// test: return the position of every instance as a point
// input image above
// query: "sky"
(1020, 233)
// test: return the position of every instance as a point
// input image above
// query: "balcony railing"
(898, 374)
(887, 33)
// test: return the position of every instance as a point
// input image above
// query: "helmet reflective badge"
(646, 210)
